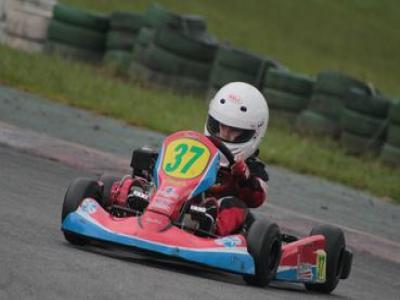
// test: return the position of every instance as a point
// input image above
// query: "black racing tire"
(371, 105)
(330, 106)
(157, 15)
(76, 36)
(120, 40)
(126, 21)
(185, 45)
(286, 81)
(196, 26)
(221, 75)
(363, 125)
(239, 59)
(394, 112)
(336, 83)
(390, 155)
(265, 246)
(285, 101)
(335, 246)
(355, 144)
(393, 136)
(81, 18)
(161, 60)
(78, 190)
(309, 122)
(145, 36)
(107, 180)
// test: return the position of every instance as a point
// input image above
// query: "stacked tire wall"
(324, 112)
(121, 39)
(234, 64)
(390, 153)
(364, 122)
(26, 23)
(173, 51)
(2, 20)
(77, 34)
(287, 93)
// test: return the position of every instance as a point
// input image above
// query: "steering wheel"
(223, 149)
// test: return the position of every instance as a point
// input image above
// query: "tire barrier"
(328, 100)
(390, 153)
(121, 39)
(2, 21)
(287, 93)
(234, 64)
(75, 33)
(364, 121)
(26, 23)
(173, 50)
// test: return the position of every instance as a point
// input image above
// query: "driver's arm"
(251, 182)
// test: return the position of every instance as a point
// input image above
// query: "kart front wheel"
(78, 190)
(264, 245)
(335, 253)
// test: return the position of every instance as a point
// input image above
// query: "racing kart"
(164, 218)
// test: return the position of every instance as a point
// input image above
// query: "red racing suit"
(236, 194)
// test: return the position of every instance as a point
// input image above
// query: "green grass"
(358, 37)
(95, 89)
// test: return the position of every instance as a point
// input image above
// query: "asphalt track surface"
(37, 263)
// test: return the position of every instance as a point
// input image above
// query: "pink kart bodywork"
(154, 231)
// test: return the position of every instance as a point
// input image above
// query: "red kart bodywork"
(301, 261)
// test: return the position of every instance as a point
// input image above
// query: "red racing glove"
(240, 171)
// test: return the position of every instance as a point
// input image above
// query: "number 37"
(181, 150)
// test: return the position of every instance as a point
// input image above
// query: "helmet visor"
(227, 133)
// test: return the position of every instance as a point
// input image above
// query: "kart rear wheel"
(264, 244)
(78, 190)
(335, 252)
(107, 180)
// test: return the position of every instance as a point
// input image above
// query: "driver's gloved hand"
(240, 171)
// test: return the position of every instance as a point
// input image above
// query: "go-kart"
(162, 218)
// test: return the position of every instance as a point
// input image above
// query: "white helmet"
(241, 106)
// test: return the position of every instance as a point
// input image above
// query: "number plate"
(185, 158)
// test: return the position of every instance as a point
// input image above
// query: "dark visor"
(213, 128)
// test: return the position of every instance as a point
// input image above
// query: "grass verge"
(95, 89)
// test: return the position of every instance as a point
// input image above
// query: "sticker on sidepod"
(321, 264)
(229, 242)
(185, 158)
(304, 272)
(89, 206)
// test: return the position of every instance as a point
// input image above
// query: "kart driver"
(238, 116)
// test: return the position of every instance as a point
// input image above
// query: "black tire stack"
(287, 93)
(77, 34)
(390, 153)
(234, 64)
(324, 111)
(364, 122)
(173, 51)
(121, 39)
